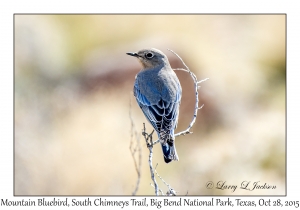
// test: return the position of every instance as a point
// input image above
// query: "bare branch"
(134, 135)
(149, 142)
(186, 67)
(161, 192)
(171, 191)
(196, 83)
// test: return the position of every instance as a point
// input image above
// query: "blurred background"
(73, 87)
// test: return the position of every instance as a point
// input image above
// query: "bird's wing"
(163, 115)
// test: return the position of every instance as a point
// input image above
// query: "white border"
(8, 8)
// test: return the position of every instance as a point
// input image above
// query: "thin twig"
(171, 191)
(138, 148)
(149, 142)
(161, 192)
(196, 83)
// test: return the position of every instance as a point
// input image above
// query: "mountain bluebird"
(158, 93)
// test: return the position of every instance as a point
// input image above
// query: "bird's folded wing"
(163, 115)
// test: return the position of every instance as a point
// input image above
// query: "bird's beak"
(132, 54)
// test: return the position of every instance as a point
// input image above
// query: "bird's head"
(150, 58)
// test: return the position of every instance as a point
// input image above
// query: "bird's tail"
(169, 150)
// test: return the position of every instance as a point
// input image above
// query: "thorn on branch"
(198, 82)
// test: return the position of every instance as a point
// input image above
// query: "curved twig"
(196, 87)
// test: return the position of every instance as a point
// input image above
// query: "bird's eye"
(149, 55)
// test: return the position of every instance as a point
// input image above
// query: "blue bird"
(158, 93)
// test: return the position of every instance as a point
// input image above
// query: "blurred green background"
(73, 86)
